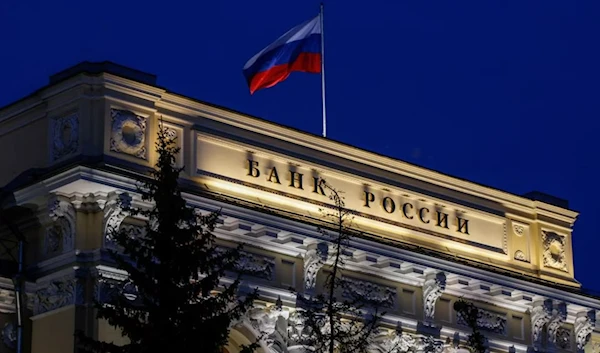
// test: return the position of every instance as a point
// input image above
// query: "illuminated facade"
(73, 148)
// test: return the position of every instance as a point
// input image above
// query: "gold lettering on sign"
(409, 211)
(388, 204)
(318, 186)
(274, 175)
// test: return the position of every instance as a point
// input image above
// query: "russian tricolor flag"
(297, 50)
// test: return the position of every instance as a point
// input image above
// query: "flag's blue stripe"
(284, 54)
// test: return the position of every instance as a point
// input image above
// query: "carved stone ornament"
(387, 341)
(108, 285)
(272, 323)
(313, 261)
(65, 136)
(9, 335)
(584, 326)
(518, 229)
(297, 332)
(432, 289)
(57, 294)
(563, 338)
(368, 292)
(559, 315)
(255, 265)
(114, 216)
(62, 229)
(487, 321)
(128, 133)
(520, 256)
(540, 316)
(554, 250)
(428, 344)
(170, 133)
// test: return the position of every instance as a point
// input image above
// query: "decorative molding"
(487, 321)
(313, 261)
(563, 338)
(128, 133)
(63, 227)
(259, 266)
(270, 322)
(554, 250)
(368, 292)
(297, 332)
(504, 238)
(114, 215)
(428, 344)
(518, 229)
(56, 294)
(559, 315)
(171, 133)
(541, 313)
(520, 256)
(434, 285)
(256, 265)
(584, 326)
(9, 335)
(387, 341)
(65, 136)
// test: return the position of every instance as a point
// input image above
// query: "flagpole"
(323, 73)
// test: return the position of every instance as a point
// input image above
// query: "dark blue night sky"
(505, 94)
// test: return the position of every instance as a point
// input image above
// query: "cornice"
(294, 249)
(161, 97)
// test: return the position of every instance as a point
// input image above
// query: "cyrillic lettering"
(318, 186)
(272, 175)
(463, 225)
(296, 180)
(369, 197)
(442, 220)
(421, 214)
(405, 210)
(252, 170)
(388, 205)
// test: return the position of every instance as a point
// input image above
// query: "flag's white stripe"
(312, 26)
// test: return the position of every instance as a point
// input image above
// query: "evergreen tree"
(476, 341)
(178, 303)
(338, 322)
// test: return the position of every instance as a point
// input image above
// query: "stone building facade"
(72, 150)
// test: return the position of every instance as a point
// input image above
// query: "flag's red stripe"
(306, 62)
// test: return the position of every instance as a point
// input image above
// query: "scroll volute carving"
(59, 233)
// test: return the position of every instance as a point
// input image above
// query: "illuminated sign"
(281, 182)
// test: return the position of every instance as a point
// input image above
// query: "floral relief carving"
(433, 287)
(559, 315)
(128, 133)
(369, 293)
(65, 136)
(554, 250)
(57, 294)
(487, 321)
(563, 338)
(520, 255)
(540, 316)
(62, 229)
(313, 261)
(584, 326)
(518, 229)
(114, 215)
(393, 342)
(253, 264)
